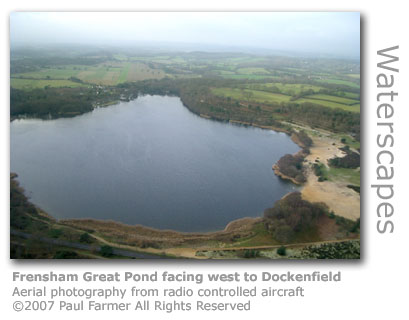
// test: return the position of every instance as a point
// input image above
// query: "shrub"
(291, 165)
(351, 160)
(65, 254)
(281, 251)
(55, 233)
(251, 253)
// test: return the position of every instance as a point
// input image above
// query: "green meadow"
(28, 84)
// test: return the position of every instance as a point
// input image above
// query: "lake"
(151, 162)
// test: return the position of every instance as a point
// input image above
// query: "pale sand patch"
(337, 196)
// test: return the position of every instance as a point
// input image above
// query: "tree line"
(195, 94)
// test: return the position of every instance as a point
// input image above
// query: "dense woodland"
(351, 160)
(50, 102)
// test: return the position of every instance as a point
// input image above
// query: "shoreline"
(278, 173)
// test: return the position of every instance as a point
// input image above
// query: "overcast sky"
(335, 34)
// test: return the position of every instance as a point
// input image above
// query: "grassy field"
(348, 140)
(329, 104)
(252, 71)
(336, 99)
(28, 84)
(61, 72)
(258, 96)
(341, 82)
(354, 75)
(268, 97)
(351, 95)
(292, 88)
(296, 87)
(140, 71)
(108, 73)
(248, 76)
(352, 176)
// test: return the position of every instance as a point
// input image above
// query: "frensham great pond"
(150, 162)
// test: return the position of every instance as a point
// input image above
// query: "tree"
(85, 238)
(107, 251)
(248, 95)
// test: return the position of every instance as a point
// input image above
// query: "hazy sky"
(321, 33)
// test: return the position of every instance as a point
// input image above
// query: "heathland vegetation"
(305, 97)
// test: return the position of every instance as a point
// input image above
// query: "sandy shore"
(336, 195)
(158, 241)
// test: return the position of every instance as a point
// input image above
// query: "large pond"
(151, 162)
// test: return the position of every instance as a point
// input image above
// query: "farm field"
(252, 71)
(336, 99)
(330, 104)
(339, 81)
(260, 96)
(297, 88)
(249, 76)
(350, 95)
(29, 84)
(108, 73)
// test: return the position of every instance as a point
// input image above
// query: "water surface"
(151, 162)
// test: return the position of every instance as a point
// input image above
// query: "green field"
(249, 95)
(341, 82)
(226, 72)
(258, 96)
(336, 99)
(60, 72)
(293, 88)
(351, 176)
(249, 76)
(124, 73)
(108, 73)
(329, 104)
(351, 95)
(252, 71)
(349, 141)
(27, 84)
